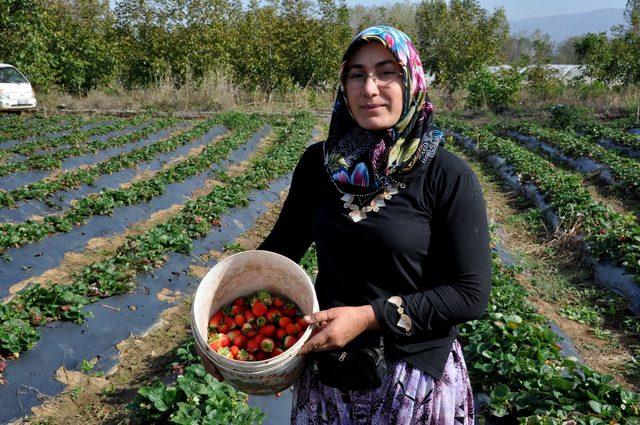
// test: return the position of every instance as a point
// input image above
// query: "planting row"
(624, 170)
(19, 128)
(69, 179)
(621, 137)
(104, 202)
(141, 253)
(78, 144)
(609, 235)
(100, 125)
(50, 196)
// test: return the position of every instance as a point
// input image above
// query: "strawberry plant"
(514, 357)
(609, 235)
(625, 170)
(78, 146)
(20, 128)
(196, 397)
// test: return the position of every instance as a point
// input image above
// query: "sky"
(518, 9)
(522, 9)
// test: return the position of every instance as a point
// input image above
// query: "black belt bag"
(361, 369)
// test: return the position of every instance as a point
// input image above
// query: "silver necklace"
(358, 213)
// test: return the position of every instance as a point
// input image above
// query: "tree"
(85, 54)
(615, 60)
(25, 31)
(632, 13)
(458, 39)
(566, 51)
(176, 39)
(542, 48)
(522, 48)
(290, 43)
(401, 15)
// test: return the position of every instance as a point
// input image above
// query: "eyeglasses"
(358, 79)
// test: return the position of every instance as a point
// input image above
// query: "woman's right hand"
(208, 365)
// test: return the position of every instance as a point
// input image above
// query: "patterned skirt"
(406, 396)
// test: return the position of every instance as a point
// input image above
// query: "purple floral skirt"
(407, 396)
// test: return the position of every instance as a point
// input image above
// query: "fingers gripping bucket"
(240, 275)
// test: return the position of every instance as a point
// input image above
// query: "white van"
(15, 90)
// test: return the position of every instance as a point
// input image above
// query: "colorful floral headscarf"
(358, 157)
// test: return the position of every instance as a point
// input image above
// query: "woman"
(401, 235)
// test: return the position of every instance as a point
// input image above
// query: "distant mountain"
(561, 27)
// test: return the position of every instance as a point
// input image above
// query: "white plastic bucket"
(240, 275)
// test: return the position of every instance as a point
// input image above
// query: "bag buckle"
(342, 356)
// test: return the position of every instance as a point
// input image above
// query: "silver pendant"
(357, 215)
(347, 198)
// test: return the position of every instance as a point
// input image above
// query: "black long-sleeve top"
(429, 245)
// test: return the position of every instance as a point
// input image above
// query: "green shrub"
(495, 91)
(544, 83)
(570, 116)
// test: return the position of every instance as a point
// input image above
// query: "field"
(108, 223)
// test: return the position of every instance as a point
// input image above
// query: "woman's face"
(374, 105)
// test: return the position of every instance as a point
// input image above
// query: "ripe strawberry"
(240, 341)
(224, 351)
(234, 350)
(224, 328)
(289, 341)
(273, 315)
(284, 321)
(230, 322)
(215, 321)
(277, 302)
(239, 302)
(235, 310)
(261, 321)
(292, 329)
(276, 352)
(258, 308)
(240, 320)
(259, 338)
(218, 341)
(251, 318)
(303, 323)
(252, 333)
(260, 355)
(289, 309)
(267, 345)
(267, 330)
(281, 333)
(234, 333)
(252, 346)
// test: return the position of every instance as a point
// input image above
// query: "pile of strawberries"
(256, 327)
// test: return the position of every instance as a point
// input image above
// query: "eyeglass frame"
(371, 75)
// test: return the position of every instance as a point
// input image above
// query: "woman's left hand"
(340, 325)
